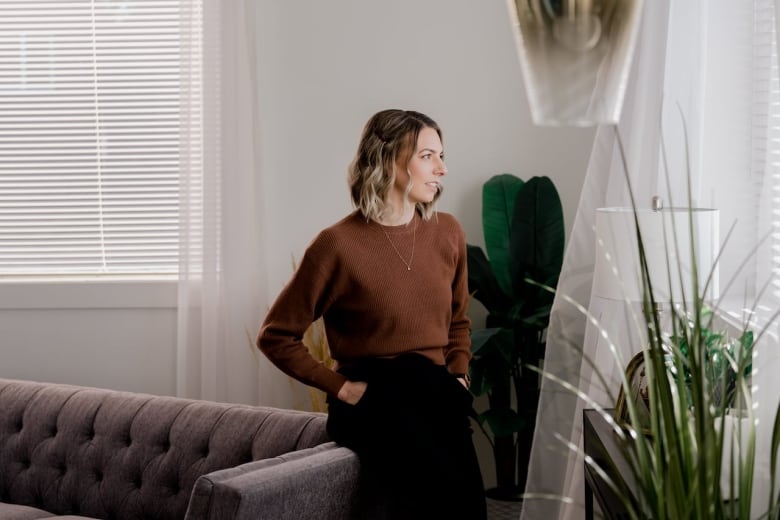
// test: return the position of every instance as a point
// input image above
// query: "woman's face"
(424, 170)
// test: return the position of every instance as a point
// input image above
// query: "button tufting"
(98, 476)
(137, 482)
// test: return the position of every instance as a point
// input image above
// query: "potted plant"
(725, 361)
(691, 462)
(723, 355)
(524, 237)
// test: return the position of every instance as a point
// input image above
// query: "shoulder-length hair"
(390, 136)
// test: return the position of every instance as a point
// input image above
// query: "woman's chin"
(425, 199)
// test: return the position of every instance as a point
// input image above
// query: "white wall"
(114, 334)
(324, 68)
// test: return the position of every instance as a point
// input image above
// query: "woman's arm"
(458, 351)
(301, 302)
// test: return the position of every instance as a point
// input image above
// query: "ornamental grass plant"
(695, 455)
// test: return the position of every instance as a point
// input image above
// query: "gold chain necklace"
(397, 252)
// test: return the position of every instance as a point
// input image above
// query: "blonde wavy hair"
(390, 136)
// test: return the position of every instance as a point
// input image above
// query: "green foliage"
(524, 238)
(693, 372)
(723, 357)
(678, 466)
(523, 231)
(499, 195)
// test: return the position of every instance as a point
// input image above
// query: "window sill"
(735, 314)
(88, 293)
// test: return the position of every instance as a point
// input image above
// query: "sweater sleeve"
(299, 304)
(458, 351)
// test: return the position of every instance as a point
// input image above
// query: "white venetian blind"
(773, 152)
(92, 94)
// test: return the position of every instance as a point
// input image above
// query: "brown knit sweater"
(372, 305)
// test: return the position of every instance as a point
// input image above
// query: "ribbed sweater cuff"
(458, 363)
(328, 380)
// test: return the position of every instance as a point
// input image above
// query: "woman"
(390, 282)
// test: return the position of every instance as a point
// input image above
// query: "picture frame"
(636, 376)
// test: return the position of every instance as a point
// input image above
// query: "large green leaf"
(537, 318)
(482, 282)
(497, 341)
(493, 352)
(503, 421)
(488, 374)
(537, 240)
(480, 339)
(499, 194)
(523, 229)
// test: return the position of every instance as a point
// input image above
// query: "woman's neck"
(399, 218)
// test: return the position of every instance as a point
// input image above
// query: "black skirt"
(412, 432)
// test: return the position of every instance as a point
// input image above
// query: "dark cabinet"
(607, 451)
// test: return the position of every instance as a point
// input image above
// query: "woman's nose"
(441, 168)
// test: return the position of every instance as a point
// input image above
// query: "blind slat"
(90, 133)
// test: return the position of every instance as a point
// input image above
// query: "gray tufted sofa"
(76, 452)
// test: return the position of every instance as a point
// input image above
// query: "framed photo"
(638, 392)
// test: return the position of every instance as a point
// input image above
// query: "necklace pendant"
(408, 268)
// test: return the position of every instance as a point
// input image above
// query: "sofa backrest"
(121, 455)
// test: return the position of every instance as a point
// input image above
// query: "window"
(773, 151)
(96, 105)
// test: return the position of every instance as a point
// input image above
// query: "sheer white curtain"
(708, 61)
(555, 470)
(222, 296)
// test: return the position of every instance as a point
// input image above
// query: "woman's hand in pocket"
(352, 391)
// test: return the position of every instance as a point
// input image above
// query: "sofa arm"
(316, 483)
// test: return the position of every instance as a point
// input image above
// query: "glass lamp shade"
(576, 57)
(617, 273)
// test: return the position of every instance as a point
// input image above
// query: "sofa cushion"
(17, 512)
(108, 454)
